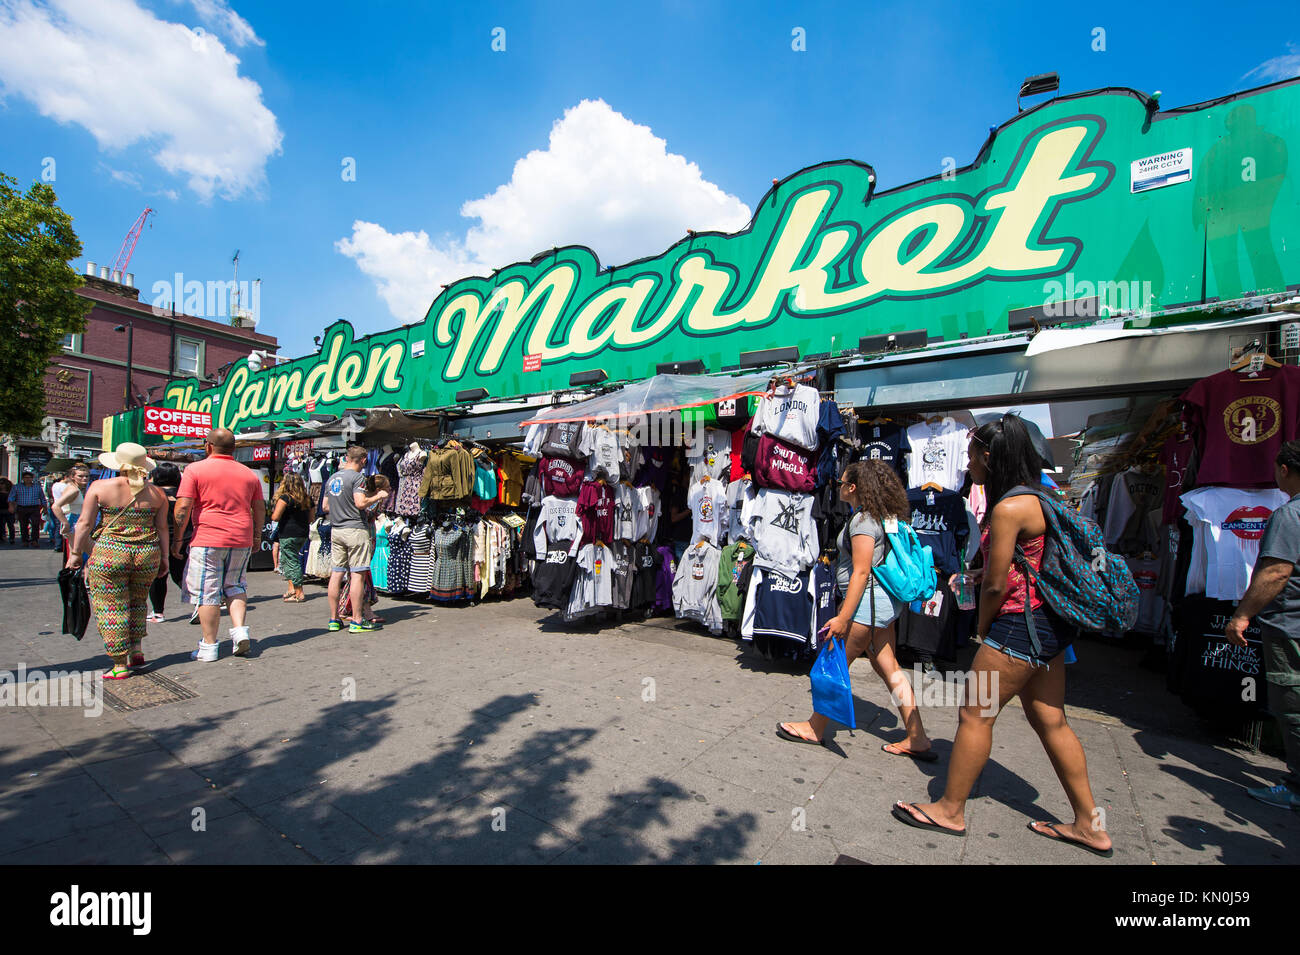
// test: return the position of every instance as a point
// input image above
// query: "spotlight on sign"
(472, 394)
(692, 367)
(593, 377)
(769, 356)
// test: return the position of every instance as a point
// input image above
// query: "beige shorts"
(350, 549)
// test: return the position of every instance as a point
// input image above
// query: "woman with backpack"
(868, 612)
(1015, 659)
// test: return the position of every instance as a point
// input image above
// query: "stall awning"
(659, 394)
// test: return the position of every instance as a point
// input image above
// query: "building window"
(72, 342)
(189, 357)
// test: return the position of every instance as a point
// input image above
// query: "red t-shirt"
(223, 491)
(1245, 420)
(779, 464)
(596, 511)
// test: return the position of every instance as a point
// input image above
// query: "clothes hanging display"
(939, 519)
(781, 465)
(1241, 419)
(780, 525)
(695, 585)
(707, 501)
(1227, 524)
(789, 412)
(937, 453)
(711, 455)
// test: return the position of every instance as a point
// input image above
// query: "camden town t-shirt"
(1245, 419)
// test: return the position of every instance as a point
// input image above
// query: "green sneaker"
(336, 625)
(365, 626)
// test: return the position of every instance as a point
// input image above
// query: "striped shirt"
(27, 495)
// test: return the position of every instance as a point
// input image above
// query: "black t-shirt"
(882, 442)
(939, 519)
(645, 564)
(553, 579)
(293, 523)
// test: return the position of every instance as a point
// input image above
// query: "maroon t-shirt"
(1243, 421)
(782, 465)
(1176, 456)
(596, 511)
(561, 477)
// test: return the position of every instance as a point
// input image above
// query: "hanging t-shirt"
(731, 569)
(1133, 514)
(646, 560)
(624, 573)
(626, 502)
(645, 515)
(1176, 457)
(564, 439)
(739, 437)
(821, 584)
(695, 586)
(778, 464)
(711, 455)
(739, 493)
(881, 442)
(830, 429)
(594, 584)
(654, 468)
(1227, 525)
(780, 525)
(783, 611)
(707, 501)
(1151, 605)
(938, 454)
(1243, 419)
(553, 574)
(561, 477)
(596, 511)
(664, 579)
(557, 522)
(939, 519)
(790, 414)
(604, 456)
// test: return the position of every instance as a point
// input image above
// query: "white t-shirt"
(790, 415)
(626, 503)
(1227, 524)
(714, 458)
(645, 517)
(707, 501)
(938, 454)
(739, 493)
(603, 453)
(594, 584)
(557, 521)
(780, 526)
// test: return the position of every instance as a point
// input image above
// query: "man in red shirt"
(225, 499)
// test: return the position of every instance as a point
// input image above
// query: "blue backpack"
(1084, 583)
(907, 572)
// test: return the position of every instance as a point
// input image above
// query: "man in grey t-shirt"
(1273, 599)
(350, 546)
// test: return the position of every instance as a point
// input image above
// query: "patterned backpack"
(1087, 585)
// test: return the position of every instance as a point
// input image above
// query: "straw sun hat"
(128, 457)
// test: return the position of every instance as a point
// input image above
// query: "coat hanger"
(1254, 351)
(931, 486)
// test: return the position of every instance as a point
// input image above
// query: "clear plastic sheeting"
(658, 394)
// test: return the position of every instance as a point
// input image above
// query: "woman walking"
(167, 478)
(292, 512)
(68, 505)
(1013, 661)
(130, 551)
(868, 612)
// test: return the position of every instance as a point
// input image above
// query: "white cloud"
(128, 78)
(1279, 67)
(603, 181)
(217, 15)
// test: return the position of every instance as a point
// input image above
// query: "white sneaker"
(207, 652)
(242, 643)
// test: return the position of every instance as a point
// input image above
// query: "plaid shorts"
(213, 572)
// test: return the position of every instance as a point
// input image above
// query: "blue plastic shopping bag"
(831, 692)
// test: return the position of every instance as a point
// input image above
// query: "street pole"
(130, 342)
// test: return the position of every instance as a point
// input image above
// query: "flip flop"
(928, 756)
(785, 734)
(903, 816)
(1061, 837)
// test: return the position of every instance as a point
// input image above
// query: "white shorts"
(214, 572)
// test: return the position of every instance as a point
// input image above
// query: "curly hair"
(877, 490)
(294, 491)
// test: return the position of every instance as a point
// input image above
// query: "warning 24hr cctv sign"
(1162, 170)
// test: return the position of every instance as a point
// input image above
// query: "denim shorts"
(1010, 635)
(887, 608)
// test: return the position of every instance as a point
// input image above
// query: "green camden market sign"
(1087, 194)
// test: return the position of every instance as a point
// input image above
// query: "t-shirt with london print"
(1243, 421)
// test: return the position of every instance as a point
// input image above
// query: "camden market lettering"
(355, 373)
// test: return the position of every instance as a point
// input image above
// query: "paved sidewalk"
(486, 734)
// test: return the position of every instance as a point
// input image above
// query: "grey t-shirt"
(1282, 541)
(342, 484)
(862, 523)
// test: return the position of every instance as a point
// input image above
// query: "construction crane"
(128, 244)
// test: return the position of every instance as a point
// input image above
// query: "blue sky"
(599, 124)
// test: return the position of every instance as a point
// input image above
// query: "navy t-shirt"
(939, 519)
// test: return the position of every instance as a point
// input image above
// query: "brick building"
(87, 382)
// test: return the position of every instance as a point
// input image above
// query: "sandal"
(1059, 836)
(117, 673)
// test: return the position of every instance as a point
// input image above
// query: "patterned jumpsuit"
(121, 568)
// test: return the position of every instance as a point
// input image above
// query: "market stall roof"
(391, 422)
(658, 394)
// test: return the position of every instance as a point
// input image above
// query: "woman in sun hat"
(131, 545)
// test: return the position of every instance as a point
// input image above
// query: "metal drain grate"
(143, 691)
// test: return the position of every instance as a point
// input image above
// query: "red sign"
(311, 405)
(177, 424)
(262, 452)
(298, 447)
(532, 363)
